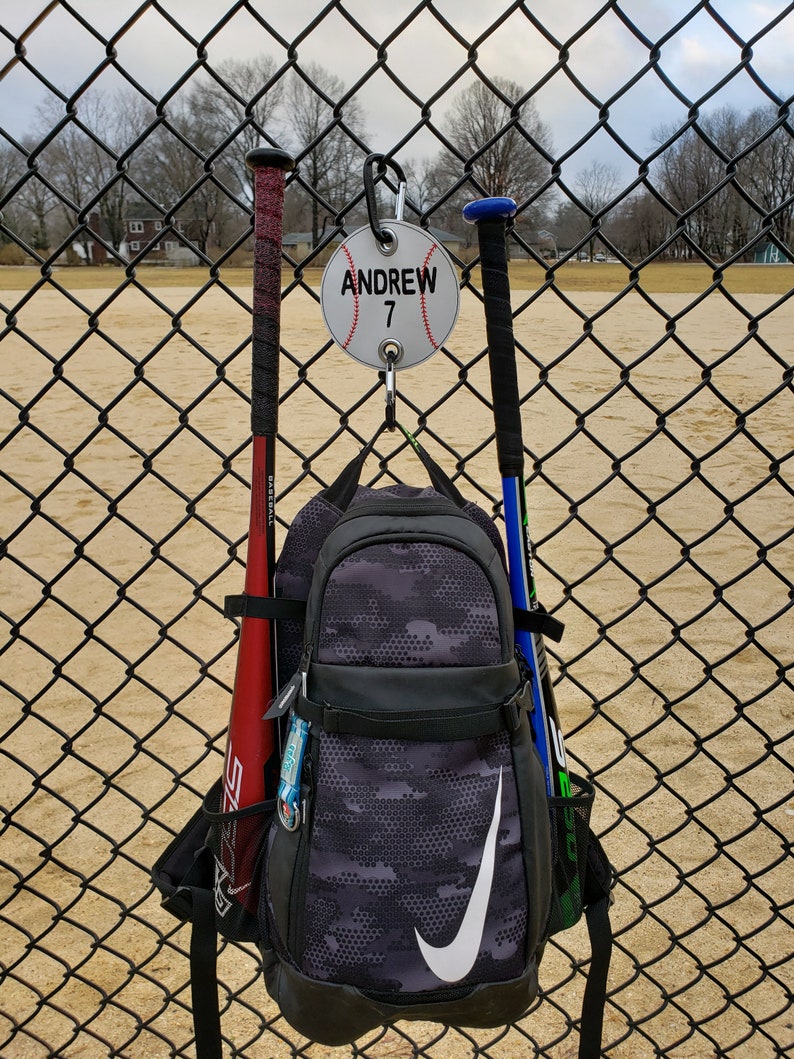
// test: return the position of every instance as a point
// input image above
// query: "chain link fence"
(652, 284)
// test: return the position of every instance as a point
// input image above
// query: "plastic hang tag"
(397, 297)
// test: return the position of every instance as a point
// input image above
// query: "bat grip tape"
(501, 347)
(269, 208)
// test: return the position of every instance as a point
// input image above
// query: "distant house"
(145, 230)
(541, 243)
(92, 248)
(448, 239)
(299, 244)
(770, 254)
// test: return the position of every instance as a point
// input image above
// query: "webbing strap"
(275, 608)
(204, 976)
(599, 929)
(538, 622)
(341, 491)
(428, 726)
(599, 877)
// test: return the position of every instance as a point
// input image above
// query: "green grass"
(667, 278)
(524, 275)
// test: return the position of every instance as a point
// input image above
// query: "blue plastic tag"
(291, 768)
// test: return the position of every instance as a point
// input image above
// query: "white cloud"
(425, 55)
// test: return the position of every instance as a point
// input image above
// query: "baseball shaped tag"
(398, 296)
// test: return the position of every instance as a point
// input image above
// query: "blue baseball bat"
(491, 216)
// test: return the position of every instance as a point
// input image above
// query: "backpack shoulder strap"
(442, 483)
(341, 491)
(204, 976)
(599, 878)
(185, 876)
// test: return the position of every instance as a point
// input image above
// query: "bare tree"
(497, 132)
(329, 135)
(193, 163)
(595, 186)
(235, 110)
(13, 218)
(768, 171)
(178, 170)
(571, 225)
(85, 161)
(694, 175)
(422, 182)
(29, 209)
(645, 225)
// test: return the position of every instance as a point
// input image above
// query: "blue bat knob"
(488, 210)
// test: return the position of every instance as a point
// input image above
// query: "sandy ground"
(662, 507)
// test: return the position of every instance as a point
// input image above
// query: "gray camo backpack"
(408, 868)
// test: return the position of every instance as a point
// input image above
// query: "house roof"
(293, 238)
(444, 237)
(142, 211)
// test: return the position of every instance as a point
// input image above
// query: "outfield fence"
(655, 343)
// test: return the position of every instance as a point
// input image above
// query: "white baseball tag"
(401, 296)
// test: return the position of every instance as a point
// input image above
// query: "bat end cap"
(271, 158)
(493, 209)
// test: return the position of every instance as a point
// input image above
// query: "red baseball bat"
(251, 765)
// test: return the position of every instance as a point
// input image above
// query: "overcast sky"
(424, 56)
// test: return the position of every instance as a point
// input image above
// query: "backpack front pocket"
(422, 603)
(408, 842)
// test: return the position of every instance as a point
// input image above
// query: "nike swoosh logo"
(453, 962)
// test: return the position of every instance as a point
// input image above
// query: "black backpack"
(409, 868)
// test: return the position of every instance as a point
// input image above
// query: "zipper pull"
(282, 702)
(303, 671)
(297, 682)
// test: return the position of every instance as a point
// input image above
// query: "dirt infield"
(663, 541)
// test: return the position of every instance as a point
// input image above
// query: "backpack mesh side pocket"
(238, 842)
(570, 831)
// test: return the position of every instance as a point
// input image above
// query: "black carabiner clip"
(391, 354)
(383, 235)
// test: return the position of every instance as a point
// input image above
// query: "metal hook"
(391, 352)
(384, 237)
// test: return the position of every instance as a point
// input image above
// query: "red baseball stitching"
(423, 301)
(354, 323)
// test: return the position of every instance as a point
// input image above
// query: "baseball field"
(659, 419)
